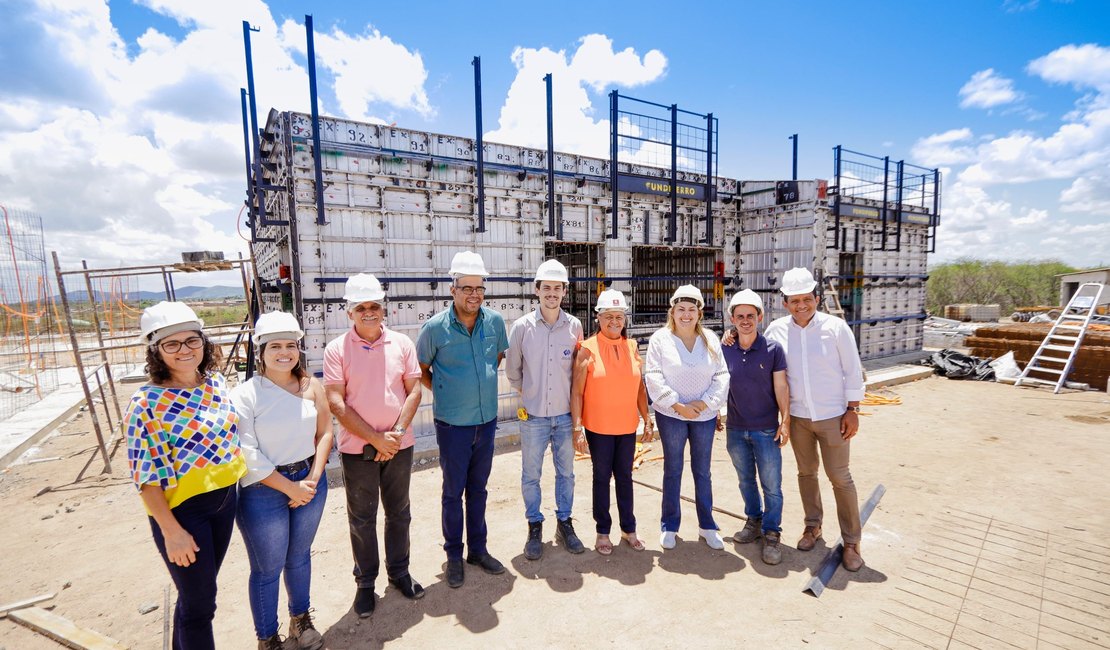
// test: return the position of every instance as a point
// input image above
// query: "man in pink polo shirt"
(372, 380)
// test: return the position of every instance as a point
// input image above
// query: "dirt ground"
(993, 532)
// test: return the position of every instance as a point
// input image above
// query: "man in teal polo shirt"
(459, 350)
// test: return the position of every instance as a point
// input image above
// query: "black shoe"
(408, 587)
(455, 573)
(488, 563)
(364, 601)
(564, 534)
(533, 548)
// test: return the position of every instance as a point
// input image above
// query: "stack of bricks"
(1091, 365)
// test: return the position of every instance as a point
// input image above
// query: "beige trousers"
(806, 436)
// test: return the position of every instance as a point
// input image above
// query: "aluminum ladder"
(831, 300)
(1064, 337)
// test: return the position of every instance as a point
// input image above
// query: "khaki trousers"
(806, 436)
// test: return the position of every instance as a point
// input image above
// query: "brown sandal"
(603, 546)
(638, 545)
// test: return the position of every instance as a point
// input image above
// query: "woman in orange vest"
(607, 392)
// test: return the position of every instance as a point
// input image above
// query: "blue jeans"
(535, 434)
(278, 537)
(466, 457)
(674, 432)
(752, 451)
(209, 518)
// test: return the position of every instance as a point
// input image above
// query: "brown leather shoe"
(809, 538)
(851, 558)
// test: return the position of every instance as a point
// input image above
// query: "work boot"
(809, 538)
(455, 573)
(364, 601)
(749, 533)
(772, 552)
(488, 563)
(273, 643)
(851, 558)
(564, 534)
(533, 548)
(304, 632)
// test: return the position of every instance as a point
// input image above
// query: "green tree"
(989, 282)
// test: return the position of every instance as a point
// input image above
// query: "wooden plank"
(63, 630)
(27, 602)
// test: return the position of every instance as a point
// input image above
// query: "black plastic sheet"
(955, 365)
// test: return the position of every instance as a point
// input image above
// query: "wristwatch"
(398, 429)
(852, 408)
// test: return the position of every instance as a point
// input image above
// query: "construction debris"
(63, 630)
(26, 602)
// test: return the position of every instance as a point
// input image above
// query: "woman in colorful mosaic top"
(184, 456)
(285, 427)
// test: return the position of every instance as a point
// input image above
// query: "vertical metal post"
(886, 197)
(709, 184)
(80, 365)
(936, 210)
(173, 291)
(100, 344)
(672, 227)
(614, 152)
(259, 196)
(480, 148)
(550, 160)
(247, 157)
(166, 282)
(898, 209)
(839, 193)
(317, 155)
(794, 175)
(253, 310)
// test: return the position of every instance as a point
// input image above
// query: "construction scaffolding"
(28, 346)
(101, 310)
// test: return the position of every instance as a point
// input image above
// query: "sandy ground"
(993, 533)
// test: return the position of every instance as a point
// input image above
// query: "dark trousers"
(364, 480)
(465, 456)
(209, 518)
(612, 457)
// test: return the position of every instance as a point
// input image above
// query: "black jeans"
(612, 457)
(466, 457)
(364, 480)
(209, 518)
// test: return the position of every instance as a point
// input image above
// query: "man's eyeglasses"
(470, 291)
(173, 347)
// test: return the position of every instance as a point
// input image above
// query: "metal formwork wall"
(881, 291)
(401, 203)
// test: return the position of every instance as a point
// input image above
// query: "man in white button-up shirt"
(825, 377)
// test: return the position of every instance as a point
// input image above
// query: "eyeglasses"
(470, 291)
(173, 347)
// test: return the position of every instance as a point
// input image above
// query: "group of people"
(204, 457)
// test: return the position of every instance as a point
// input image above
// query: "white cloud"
(987, 89)
(953, 147)
(134, 158)
(1083, 66)
(1089, 194)
(594, 65)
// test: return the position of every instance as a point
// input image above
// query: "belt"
(293, 468)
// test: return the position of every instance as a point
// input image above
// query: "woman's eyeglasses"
(172, 347)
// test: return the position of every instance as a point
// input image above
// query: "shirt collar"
(382, 340)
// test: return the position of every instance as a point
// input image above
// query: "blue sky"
(120, 124)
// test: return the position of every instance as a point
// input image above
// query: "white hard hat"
(363, 287)
(688, 291)
(745, 297)
(609, 300)
(797, 281)
(276, 325)
(467, 263)
(166, 318)
(552, 271)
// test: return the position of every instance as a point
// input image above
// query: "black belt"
(293, 468)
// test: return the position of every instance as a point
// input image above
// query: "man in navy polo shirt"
(459, 350)
(758, 398)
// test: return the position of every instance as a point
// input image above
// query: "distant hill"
(182, 293)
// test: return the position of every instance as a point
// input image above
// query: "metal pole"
(253, 309)
(260, 197)
(81, 366)
(709, 184)
(794, 137)
(100, 342)
(480, 149)
(886, 198)
(550, 160)
(614, 152)
(317, 156)
(839, 194)
(898, 210)
(247, 157)
(936, 210)
(672, 227)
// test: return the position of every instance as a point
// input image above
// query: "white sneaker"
(666, 540)
(712, 538)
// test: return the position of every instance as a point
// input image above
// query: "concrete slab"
(895, 375)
